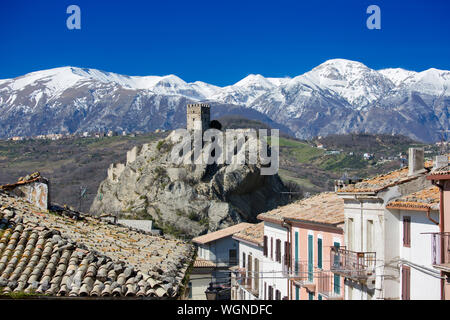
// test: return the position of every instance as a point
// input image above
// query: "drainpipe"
(441, 229)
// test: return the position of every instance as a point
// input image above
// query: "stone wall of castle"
(198, 116)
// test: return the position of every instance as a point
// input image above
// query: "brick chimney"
(415, 161)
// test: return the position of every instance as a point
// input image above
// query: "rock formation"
(186, 199)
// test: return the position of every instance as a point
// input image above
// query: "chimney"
(415, 161)
(440, 161)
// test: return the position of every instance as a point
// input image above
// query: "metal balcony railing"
(249, 281)
(225, 262)
(352, 264)
(328, 285)
(440, 250)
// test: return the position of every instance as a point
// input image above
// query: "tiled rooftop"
(54, 254)
(325, 207)
(254, 233)
(202, 263)
(441, 171)
(216, 235)
(427, 199)
(379, 182)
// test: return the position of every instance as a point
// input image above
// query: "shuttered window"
(278, 295)
(278, 250)
(287, 253)
(265, 291)
(265, 246)
(406, 283)
(319, 253)
(271, 248)
(406, 231)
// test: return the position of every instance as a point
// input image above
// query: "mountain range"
(338, 96)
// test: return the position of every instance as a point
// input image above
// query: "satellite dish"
(370, 283)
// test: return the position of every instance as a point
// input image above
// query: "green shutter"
(337, 278)
(310, 258)
(297, 293)
(319, 253)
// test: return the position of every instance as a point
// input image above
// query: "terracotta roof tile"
(441, 171)
(427, 199)
(254, 233)
(325, 207)
(212, 236)
(379, 182)
(202, 263)
(48, 253)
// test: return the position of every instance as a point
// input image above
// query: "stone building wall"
(198, 113)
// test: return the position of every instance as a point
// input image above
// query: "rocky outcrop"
(186, 199)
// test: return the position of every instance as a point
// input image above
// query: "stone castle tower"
(198, 116)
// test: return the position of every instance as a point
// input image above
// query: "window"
(287, 253)
(265, 246)
(337, 278)
(270, 293)
(310, 296)
(319, 253)
(406, 283)
(369, 242)
(278, 250)
(310, 258)
(232, 256)
(271, 248)
(406, 231)
(243, 259)
(265, 291)
(297, 293)
(190, 290)
(278, 295)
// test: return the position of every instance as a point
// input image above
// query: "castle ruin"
(198, 116)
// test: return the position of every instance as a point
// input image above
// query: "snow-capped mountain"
(338, 96)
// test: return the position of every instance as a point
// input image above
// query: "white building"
(216, 253)
(410, 221)
(366, 259)
(249, 277)
(276, 246)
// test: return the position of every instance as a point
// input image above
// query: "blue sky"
(221, 42)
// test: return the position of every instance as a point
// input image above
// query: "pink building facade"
(310, 275)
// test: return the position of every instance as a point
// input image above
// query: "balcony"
(245, 280)
(440, 251)
(328, 286)
(225, 263)
(350, 264)
(303, 275)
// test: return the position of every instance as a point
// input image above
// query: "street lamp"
(211, 292)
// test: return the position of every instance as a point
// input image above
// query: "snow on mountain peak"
(397, 75)
(354, 81)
